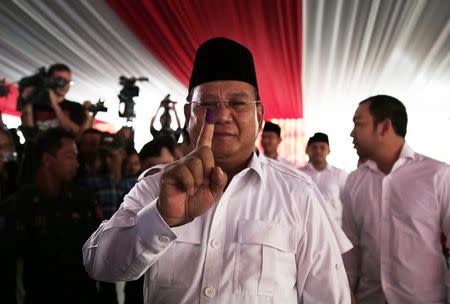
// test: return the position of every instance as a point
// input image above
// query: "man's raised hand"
(193, 184)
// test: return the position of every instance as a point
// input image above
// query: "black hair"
(383, 107)
(49, 141)
(153, 148)
(56, 68)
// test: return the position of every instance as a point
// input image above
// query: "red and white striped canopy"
(315, 60)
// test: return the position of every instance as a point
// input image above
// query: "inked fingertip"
(210, 116)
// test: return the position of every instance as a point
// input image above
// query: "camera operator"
(166, 120)
(48, 108)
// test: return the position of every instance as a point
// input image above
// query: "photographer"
(47, 107)
(166, 120)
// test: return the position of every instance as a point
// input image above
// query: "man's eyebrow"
(238, 94)
(208, 95)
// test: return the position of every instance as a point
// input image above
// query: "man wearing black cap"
(222, 225)
(270, 140)
(329, 179)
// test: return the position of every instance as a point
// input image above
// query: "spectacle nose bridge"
(225, 103)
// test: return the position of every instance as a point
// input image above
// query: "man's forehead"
(361, 112)
(224, 87)
(63, 74)
(319, 144)
(269, 133)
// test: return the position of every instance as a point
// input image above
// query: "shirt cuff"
(153, 231)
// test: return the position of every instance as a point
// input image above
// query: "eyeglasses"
(235, 104)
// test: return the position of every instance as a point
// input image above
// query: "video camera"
(37, 84)
(167, 103)
(98, 107)
(126, 95)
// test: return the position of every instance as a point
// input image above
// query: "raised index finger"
(206, 134)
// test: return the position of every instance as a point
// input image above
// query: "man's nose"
(222, 112)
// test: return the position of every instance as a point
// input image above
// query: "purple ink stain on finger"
(210, 116)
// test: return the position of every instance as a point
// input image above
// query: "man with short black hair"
(158, 151)
(329, 179)
(396, 204)
(223, 225)
(50, 109)
(44, 222)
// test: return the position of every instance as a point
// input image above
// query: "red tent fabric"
(8, 102)
(272, 30)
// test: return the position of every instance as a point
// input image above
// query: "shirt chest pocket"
(178, 265)
(264, 258)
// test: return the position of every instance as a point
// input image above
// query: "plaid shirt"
(109, 194)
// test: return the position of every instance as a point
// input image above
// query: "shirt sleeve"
(320, 269)
(343, 242)
(443, 196)
(351, 258)
(124, 247)
(342, 179)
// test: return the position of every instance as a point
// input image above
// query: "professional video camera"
(98, 107)
(126, 95)
(167, 103)
(31, 87)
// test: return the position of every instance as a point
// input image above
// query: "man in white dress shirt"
(222, 225)
(396, 204)
(270, 140)
(329, 179)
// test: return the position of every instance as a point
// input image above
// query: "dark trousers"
(107, 293)
(134, 291)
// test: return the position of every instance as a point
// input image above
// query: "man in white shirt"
(329, 179)
(222, 225)
(270, 140)
(396, 204)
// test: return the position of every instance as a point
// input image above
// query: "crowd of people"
(57, 187)
(215, 219)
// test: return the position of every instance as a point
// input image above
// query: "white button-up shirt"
(285, 162)
(267, 240)
(395, 222)
(330, 182)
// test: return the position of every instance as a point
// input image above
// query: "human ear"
(187, 112)
(260, 116)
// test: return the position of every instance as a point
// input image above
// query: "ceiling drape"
(272, 30)
(323, 55)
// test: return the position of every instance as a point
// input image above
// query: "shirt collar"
(310, 166)
(406, 153)
(255, 163)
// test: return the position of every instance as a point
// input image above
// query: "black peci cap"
(318, 137)
(222, 59)
(271, 127)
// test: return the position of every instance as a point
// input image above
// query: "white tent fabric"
(92, 40)
(355, 49)
(351, 50)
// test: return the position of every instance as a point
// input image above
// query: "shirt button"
(338, 266)
(164, 239)
(215, 243)
(210, 292)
